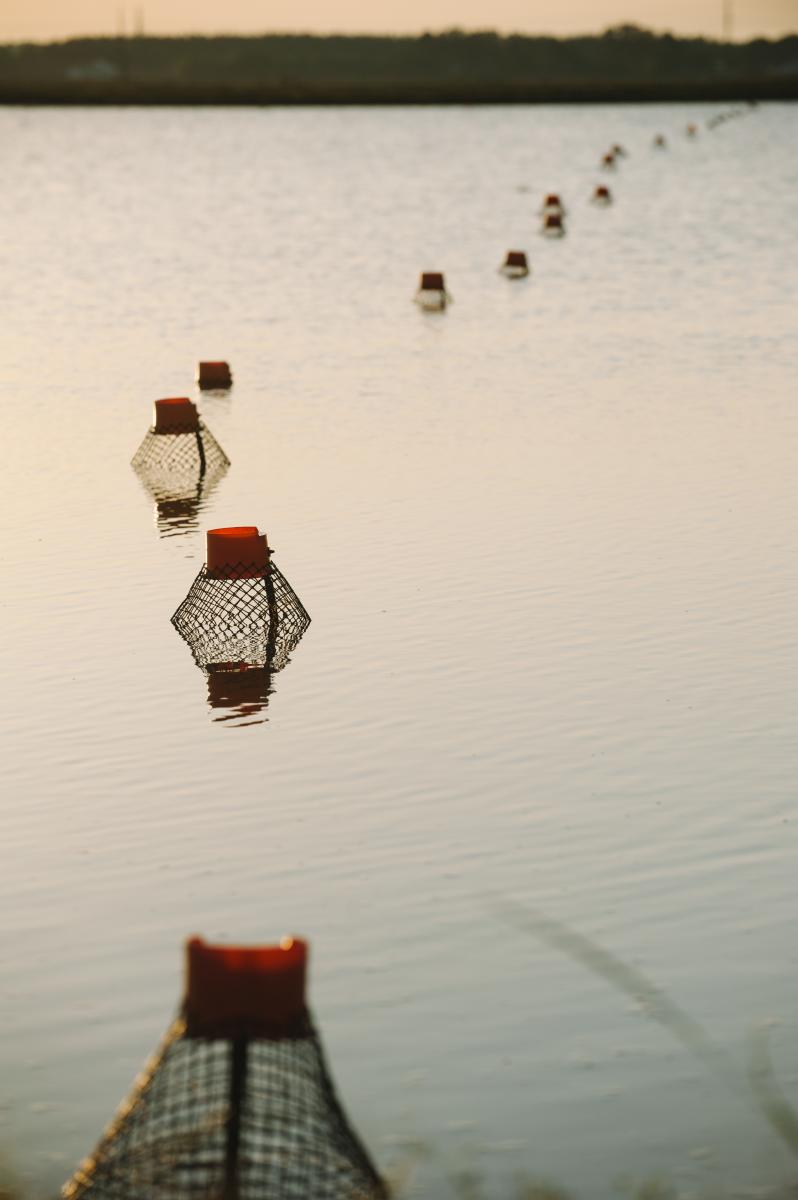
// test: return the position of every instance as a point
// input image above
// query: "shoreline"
(285, 93)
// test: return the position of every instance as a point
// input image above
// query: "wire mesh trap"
(431, 293)
(178, 444)
(240, 608)
(238, 1102)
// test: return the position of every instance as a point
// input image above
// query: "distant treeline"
(624, 63)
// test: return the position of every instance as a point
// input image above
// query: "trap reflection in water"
(240, 690)
(180, 497)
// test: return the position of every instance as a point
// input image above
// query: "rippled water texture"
(548, 543)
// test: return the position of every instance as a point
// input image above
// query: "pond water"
(547, 541)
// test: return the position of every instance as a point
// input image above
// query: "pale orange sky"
(51, 19)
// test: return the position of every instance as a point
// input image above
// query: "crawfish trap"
(238, 1102)
(240, 610)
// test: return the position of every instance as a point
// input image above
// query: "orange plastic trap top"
(214, 375)
(237, 552)
(176, 414)
(233, 991)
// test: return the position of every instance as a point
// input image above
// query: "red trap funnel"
(515, 265)
(240, 608)
(237, 1103)
(214, 376)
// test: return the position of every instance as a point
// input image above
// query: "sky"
(43, 20)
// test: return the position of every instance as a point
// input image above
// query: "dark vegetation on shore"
(625, 63)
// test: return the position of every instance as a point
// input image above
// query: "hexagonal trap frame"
(240, 607)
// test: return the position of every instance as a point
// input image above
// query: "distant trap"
(431, 293)
(214, 376)
(515, 265)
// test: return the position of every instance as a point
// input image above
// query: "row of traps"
(240, 618)
(432, 293)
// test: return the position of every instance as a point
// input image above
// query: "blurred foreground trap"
(240, 610)
(237, 1103)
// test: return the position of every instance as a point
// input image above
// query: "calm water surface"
(548, 544)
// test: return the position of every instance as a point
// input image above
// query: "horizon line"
(144, 34)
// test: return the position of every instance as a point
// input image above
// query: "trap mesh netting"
(190, 453)
(257, 620)
(237, 1117)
